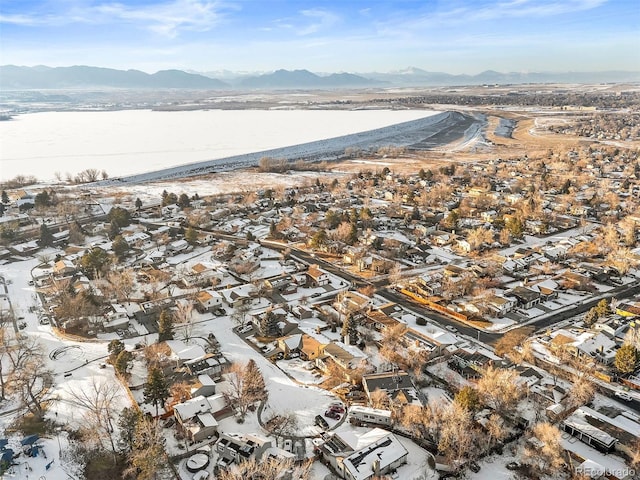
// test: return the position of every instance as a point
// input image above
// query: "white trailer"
(376, 416)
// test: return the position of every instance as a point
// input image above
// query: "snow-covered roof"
(383, 453)
(182, 351)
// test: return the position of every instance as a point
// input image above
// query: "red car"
(337, 408)
(332, 414)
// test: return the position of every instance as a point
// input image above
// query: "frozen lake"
(136, 141)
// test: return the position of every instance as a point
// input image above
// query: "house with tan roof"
(316, 277)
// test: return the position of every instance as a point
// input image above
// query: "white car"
(245, 329)
(623, 395)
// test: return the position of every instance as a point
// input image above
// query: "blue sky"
(454, 36)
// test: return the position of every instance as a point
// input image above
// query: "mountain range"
(41, 77)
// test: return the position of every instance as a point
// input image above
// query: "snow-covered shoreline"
(401, 134)
(132, 142)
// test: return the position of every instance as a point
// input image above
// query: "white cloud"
(167, 19)
(460, 14)
(322, 19)
(164, 18)
(23, 20)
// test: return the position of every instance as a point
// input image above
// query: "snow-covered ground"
(75, 366)
(135, 141)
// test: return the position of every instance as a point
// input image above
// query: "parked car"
(321, 422)
(513, 466)
(336, 408)
(622, 395)
(288, 444)
(245, 329)
(332, 414)
(451, 328)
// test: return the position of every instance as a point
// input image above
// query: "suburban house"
(607, 429)
(198, 417)
(397, 385)
(311, 348)
(116, 318)
(346, 357)
(64, 268)
(379, 320)
(350, 302)
(363, 456)
(500, 305)
(237, 448)
(201, 274)
(182, 353)
(208, 301)
(291, 344)
(526, 297)
(179, 246)
(207, 364)
(236, 296)
(469, 363)
(316, 277)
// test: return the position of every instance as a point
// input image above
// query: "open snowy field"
(136, 141)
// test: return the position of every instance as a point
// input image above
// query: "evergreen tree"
(169, 199)
(94, 262)
(319, 239)
(5, 197)
(123, 363)
(46, 237)
(253, 385)
(114, 230)
(114, 348)
(452, 219)
(273, 231)
(183, 201)
(127, 422)
(138, 204)
(42, 199)
(120, 216)
(349, 329)
(352, 239)
(165, 326)
(191, 235)
(2, 209)
(120, 247)
(76, 235)
(269, 324)
(156, 390)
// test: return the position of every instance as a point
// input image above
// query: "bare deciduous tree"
(148, 457)
(98, 401)
(498, 388)
(246, 386)
(270, 469)
(545, 455)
